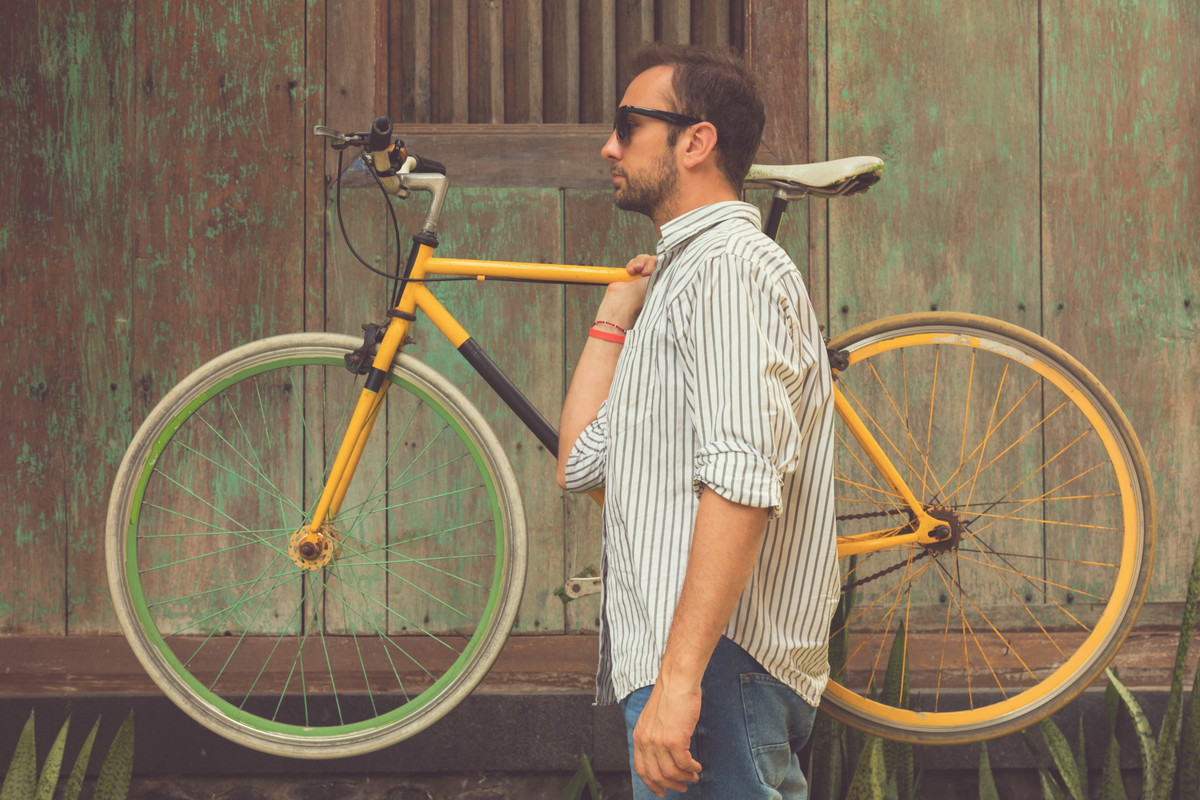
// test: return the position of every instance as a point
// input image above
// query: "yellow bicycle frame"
(417, 296)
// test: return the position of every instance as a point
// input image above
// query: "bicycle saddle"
(832, 178)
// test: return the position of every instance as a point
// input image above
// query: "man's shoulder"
(738, 244)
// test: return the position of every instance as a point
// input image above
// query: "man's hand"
(662, 736)
(642, 264)
(623, 302)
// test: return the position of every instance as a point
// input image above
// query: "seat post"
(779, 204)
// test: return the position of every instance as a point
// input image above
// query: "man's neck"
(684, 203)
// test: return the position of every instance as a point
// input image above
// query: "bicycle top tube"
(524, 271)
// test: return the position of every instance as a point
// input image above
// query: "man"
(709, 423)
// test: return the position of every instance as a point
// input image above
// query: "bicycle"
(994, 510)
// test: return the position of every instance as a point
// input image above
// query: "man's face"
(644, 170)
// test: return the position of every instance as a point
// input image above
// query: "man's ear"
(700, 143)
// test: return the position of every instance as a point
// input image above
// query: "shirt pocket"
(635, 389)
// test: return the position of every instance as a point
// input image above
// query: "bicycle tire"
(1048, 495)
(412, 601)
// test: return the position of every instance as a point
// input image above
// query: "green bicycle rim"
(253, 721)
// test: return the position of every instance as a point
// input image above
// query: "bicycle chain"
(888, 570)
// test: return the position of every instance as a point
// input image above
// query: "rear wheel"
(303, 646)
(1047, 496)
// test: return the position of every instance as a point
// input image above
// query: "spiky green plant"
(23, 780)
(583, 779)
(884, 769)
(1177, 744)
(987, 782)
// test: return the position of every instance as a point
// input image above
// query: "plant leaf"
(21, 779)
(1168, 734)
(1081, 767)
(825, 766)
(1064, 759)
(115, 772)
(870, 778)
(48, 781)
(1050, 790)
(1112, 786)
(987, 782)
(898, 756)
(1189, 747)
(75, 779)
(1145, 736)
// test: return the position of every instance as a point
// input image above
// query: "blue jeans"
(749, 736)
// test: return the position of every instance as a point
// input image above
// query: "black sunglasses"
(621, 122)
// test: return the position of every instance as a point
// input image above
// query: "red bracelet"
(610, 324)
(619, 338)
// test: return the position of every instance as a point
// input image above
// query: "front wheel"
(1046, 497)
(400, 611)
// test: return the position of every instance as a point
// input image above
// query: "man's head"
(714, 85)
(691, 113)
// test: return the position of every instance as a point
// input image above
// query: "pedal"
(582, 585)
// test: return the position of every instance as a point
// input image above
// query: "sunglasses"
(621, 121)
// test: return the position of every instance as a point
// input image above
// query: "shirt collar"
(686, 226)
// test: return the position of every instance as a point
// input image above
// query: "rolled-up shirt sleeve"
(589, 457)
(748, 366)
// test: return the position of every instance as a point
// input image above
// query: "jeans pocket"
(777, 725)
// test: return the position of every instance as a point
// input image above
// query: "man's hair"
(714, 85)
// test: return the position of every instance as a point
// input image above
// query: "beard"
(648, 191)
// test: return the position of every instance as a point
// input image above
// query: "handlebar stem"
(437, 185)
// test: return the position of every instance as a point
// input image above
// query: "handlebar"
(384, 153)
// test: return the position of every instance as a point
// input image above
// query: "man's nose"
(612, 148)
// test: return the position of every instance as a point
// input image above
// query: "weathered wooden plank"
(600, 234)
(777, 51)
(710, 23)
(598, 60)
(318, 160)
(523, 60)
(409, 60)
(488, 63)
(64, 308)
(953, 225)
(1120, 232)
(675, 21)
(561, 65)
(448, 35)
(221, 240)
(814, 143)
(520, 326)
(635, 27)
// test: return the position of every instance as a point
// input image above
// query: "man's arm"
(725, 545)
(598, 362)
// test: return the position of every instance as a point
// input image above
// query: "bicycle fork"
(314, 544)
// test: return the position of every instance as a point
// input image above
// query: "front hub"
(314, 549)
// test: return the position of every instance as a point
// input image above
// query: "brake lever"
(340, 141)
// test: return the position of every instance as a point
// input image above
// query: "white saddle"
(828, 178)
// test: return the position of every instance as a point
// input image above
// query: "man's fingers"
(669, 770)
(662, 775)
(641, 264)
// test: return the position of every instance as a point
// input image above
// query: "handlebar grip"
(380, 137)
(428, 165)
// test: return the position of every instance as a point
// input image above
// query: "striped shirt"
(723, 383)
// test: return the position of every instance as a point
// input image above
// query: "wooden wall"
(165, 201)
